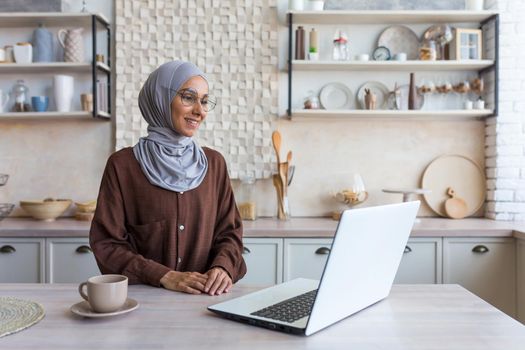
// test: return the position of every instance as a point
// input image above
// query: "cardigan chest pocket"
(149, 239)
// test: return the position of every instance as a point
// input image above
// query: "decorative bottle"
(299, 43)
(412, 93)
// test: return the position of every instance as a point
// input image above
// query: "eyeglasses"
(190, 98)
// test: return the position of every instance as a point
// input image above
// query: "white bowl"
(47, 210)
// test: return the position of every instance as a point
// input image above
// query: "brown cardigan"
(144, 231)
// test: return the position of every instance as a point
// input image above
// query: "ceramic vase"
(43, 50)
(63, 86)
(71, 41)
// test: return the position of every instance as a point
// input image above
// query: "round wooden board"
(458, 172)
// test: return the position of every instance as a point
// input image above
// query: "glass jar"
(341, 50)
(21, 95)
(428, 51)
(246, 198)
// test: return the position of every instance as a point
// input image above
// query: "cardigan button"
(181, 227)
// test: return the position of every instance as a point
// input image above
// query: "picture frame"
(466, 44)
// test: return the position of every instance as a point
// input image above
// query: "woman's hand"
(218, 281)
(187, 282)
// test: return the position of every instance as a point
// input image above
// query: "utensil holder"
(283, 206)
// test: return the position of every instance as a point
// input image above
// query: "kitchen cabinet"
(22, 260)
(484, 266)
(306, 76)
(90, 76)
(69, 260)
(305, 257)
(521, 280)
(421, 262)
(264, 261)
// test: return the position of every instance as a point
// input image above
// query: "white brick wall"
(505, 135)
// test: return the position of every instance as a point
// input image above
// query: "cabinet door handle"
(323, 251)
(407, 249)
(83, 249)
(7, 249)
(246, 250)
(480, 249)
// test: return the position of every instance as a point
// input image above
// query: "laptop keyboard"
(289, 310)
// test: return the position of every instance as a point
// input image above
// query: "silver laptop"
(363, 261)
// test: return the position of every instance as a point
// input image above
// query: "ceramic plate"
(377, 88)
(336, 96)
(400, 39)
(420, 100)
(84, 309)
(461, 174)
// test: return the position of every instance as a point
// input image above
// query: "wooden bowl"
(47, 209)
(86, 207)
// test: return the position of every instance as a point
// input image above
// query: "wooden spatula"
(455, 207)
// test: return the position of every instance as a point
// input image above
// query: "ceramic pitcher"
(71, 41)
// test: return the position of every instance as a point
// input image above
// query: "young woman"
(166, 214)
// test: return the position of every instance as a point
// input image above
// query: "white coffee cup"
(362, 57)
(479, 104)
(474, 5)
(105, 293)
(4, 100)
(63, 86)
(468, 104)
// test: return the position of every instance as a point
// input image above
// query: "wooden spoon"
(276, 140)
(455, 207)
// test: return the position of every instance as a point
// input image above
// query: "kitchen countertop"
(296, 227)
(412, 317)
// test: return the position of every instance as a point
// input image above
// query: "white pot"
(63, 86)
(296, 5)
(474, 5)
(23, 53)
(316, 5)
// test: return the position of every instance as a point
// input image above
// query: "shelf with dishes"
(460, 114)
(457, 52)
(390, 17)
(449, 65)
(80, 71)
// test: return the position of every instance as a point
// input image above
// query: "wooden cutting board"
(455, 207)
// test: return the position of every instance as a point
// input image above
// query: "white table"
(413, 317)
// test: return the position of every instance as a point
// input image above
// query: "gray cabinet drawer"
(69, 260)
(22, 260)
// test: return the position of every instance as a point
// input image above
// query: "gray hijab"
(168, 159)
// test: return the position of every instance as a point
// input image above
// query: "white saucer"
(84, 309)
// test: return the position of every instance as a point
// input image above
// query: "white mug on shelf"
(474, 5)
(63, 86)
(363, 57)
(468, 104)
(4, 99)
